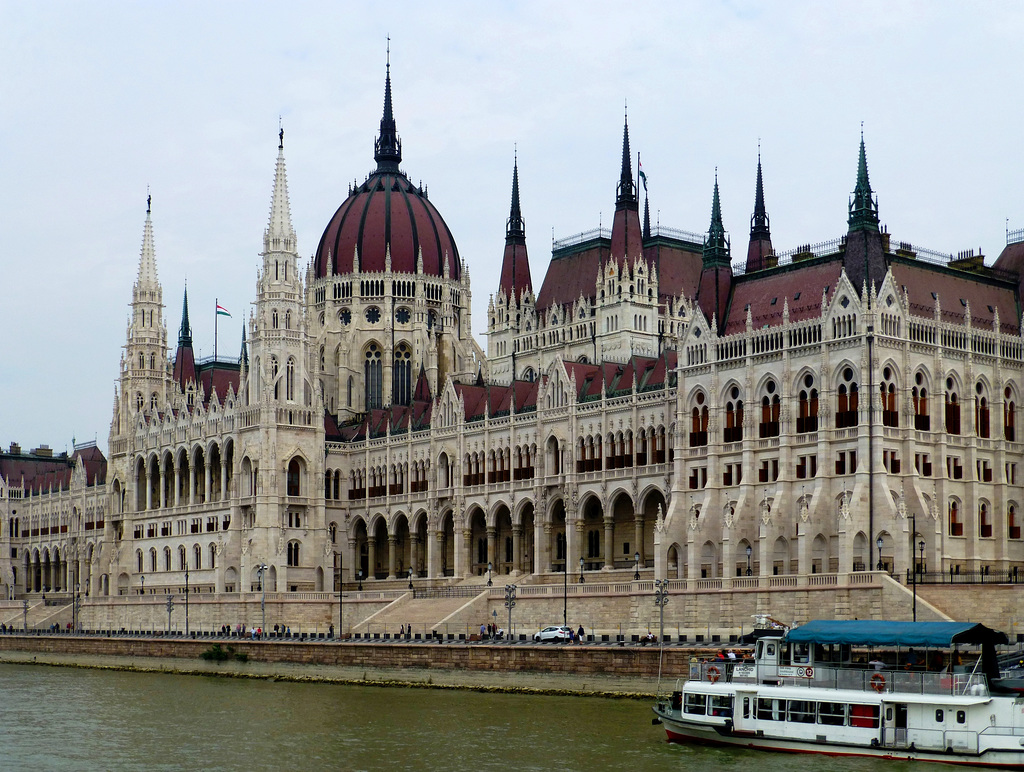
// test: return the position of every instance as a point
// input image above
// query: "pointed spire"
(863, 206)
(387, 150)
(759, 249)
(280, 225)
(515, 264)
(185, 332)
(716, 246)
(515, 226)
(243, 356)
(759, 220)
(647, 216)
(147, 259)
(626, 192)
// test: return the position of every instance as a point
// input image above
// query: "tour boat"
(929, 691)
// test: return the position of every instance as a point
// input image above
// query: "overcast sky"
(100, 100)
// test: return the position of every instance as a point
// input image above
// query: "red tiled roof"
(760, 289)
(953, 290)
(42, 473)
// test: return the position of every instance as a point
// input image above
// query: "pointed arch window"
(952, 408)
(142, 361)
(956, 528)
(289, 380)
(294, 485)
(287, 320)
(846, 401)
(981, 411)
(887, 392)
(733, 417)
(373, 370)
(273, 318)
(1012, 526)
(807, 416)
(771, 408)
(274, 367)
(1009, 415)
(699, 423)
(919, 394)
(401, 376)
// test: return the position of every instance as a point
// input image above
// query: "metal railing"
(1009, 576)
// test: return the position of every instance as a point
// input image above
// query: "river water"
(54, 718)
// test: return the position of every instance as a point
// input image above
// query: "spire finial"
(280, 133)
(626, 194)
(716, 247)
(759, 220)
(149, 201)
(388, 147)
(863, 207)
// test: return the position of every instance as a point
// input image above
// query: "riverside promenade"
(593, 669)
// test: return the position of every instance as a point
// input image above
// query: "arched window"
(197, 557)
(922, 421)
(981, 412)
(984, 525)
(887, 392)
(274, 367)
(293, 553)
(699, 422)
(289, 380)
(1012, 526)
(401, 376)
(293, 478)
(733, 417)
(1009, 415)
(287, 320)
(273, 318)
(807, 418)
(952, 408)
(167, 558)
(846, 401)
(374, 375)
(771, 408)
(213, 556)
(956, 528)
(182, 558)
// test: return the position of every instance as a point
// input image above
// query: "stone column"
(517, 547)
(392, 555)
(492, 546)
(177, 485)
(191, 482)
(609, 543)
(415, 558)
(463, 553)
(163, 488)
(223, 479)
(207, 481)
(149, 489)
(371, 558)
(638, 534)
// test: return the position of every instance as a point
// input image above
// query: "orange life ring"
(714, 674)
(878, 682)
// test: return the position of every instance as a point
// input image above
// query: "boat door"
(743, 711)
(894, 721)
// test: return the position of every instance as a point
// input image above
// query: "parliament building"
(656, 406)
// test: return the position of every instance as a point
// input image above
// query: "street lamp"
(263, 599)
(582, 580)
(636, 561)
(660, 599)
(143, 578)
(170, 608)
(186, 597)
(565, 587)
(341, 592)
(915, 569)
(489, 567)
(920, 546)
(24, 614)
(510, 602)
(77, 608)
(750, 551)
(878, 543)
(359, 576)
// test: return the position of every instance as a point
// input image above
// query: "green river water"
(54, 718)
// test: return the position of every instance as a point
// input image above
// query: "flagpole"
(216, 319)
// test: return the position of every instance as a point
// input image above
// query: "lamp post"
(636, 561)
(750, 551)
(660, 599)
(186, 597)
(915, 574)
(410, 578)
(77, 608)
(24, 614)
(263, 598)
(359, 576)
(142, 577)
(582, 580)
(878, 543)
(565, 587)
(489, 567)
(341, 593)
(170, 608)
(510, 603)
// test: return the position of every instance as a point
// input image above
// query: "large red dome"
(387, 210)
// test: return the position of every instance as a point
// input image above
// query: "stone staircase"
(40, 615)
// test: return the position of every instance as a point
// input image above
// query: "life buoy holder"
(878, 682)
(714, 674)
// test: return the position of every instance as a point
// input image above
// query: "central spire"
(716, 247)
(388, 147)
(185, 332)
(626, 193)
(863, 207)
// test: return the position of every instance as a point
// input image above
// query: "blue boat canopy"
(868, 633)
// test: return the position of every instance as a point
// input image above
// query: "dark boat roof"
(868, 633)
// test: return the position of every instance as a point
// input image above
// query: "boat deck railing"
(886, 681)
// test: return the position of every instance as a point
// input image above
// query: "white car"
(556, 633)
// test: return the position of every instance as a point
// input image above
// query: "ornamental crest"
(766, 511)
(730, 515)
(805, 510)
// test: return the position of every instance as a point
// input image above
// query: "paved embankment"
(554, 669)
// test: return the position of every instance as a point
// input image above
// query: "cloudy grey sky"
(100, 100)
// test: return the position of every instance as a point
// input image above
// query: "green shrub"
(216, 654)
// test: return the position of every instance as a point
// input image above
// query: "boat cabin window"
(801, 711)
(695, 703)
(864, 716)
(961, 717)
(802, 654)
(940, 716)
(720, 705)
(832, 713)
(771, 710)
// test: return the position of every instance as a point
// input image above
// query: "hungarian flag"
(640, 171)
(221, 311)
